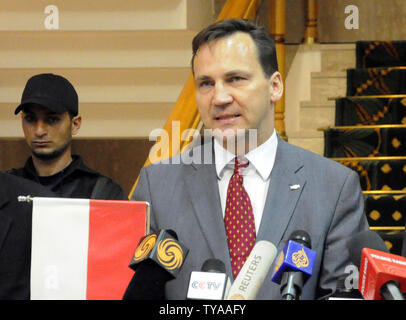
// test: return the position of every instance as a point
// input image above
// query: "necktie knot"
(240, 163)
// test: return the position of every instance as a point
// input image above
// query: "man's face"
(48, 134)
(232, 91)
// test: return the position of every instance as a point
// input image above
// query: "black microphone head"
(172, 233)
(301, 237)
(366, 239)
(214, 265)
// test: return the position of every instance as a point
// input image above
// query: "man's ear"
(276, 86)
(76, 123)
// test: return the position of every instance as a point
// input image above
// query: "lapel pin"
(294, 186)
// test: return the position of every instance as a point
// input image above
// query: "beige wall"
(117, 72)
(378, 20)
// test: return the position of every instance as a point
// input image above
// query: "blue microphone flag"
(294, 257)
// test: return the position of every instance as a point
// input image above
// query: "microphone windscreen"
(172, 233)
(214, 265)
(366, 239)
(301, 237)
(253, 272)
(211, 283)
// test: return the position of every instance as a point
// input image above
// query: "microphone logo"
(294, 257)
(162, 248)
(170, 254)
(300, 259)
(145, 247)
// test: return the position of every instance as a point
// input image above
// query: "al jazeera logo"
(170, 254)
(300, 259)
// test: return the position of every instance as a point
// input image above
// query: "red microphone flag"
(377, 268)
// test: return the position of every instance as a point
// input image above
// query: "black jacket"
(15, 235)
(75, 181)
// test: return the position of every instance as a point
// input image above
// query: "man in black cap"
(49, 107)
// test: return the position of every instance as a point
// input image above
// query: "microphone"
(253, 272)
(212, 283)
(295, 265)
(382, 275)
(157, 259)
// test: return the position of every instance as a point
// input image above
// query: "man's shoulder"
(103, 187)
(18, 172)
(9, 178)
(182, 163)
(15, 184)
(106, 188)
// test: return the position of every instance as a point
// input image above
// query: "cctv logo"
(206, 285)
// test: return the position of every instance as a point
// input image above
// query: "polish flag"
(81, 248)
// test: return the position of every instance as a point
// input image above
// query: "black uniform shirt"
(75, 181)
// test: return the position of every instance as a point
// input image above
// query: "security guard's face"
(48, 134)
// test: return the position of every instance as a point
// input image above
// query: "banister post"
(311, 33)
(277, 21)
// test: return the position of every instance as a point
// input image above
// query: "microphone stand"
(294, 281)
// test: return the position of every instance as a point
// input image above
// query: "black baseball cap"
(51, 91)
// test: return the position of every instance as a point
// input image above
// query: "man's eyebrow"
(203, 77)
(227, 74)
(235, 72)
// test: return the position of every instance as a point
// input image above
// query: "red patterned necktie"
(239, 219)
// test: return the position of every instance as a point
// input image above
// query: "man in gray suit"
(288, 188)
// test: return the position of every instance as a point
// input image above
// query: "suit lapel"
(286, 185)
(202, 188)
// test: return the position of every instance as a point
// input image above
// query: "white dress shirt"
(256, 176)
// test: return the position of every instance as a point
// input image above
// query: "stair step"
(101, 119)
(375, 81)
(106, 14)
(315, 145)
(309, 139)
(315, 115)
(96, 49)
(385, 210)
(378, 173)
(327, 84)
(365, 141)
(104, 84)
(370, 111)
(330, 53)
(372, 54)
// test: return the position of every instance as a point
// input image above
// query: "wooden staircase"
(329, 82)
(128, 60)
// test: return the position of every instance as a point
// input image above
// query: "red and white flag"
(81, 248)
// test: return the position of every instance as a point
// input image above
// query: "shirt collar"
(76, 164)
(262, 157)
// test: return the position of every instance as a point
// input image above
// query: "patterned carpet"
(369, 135)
